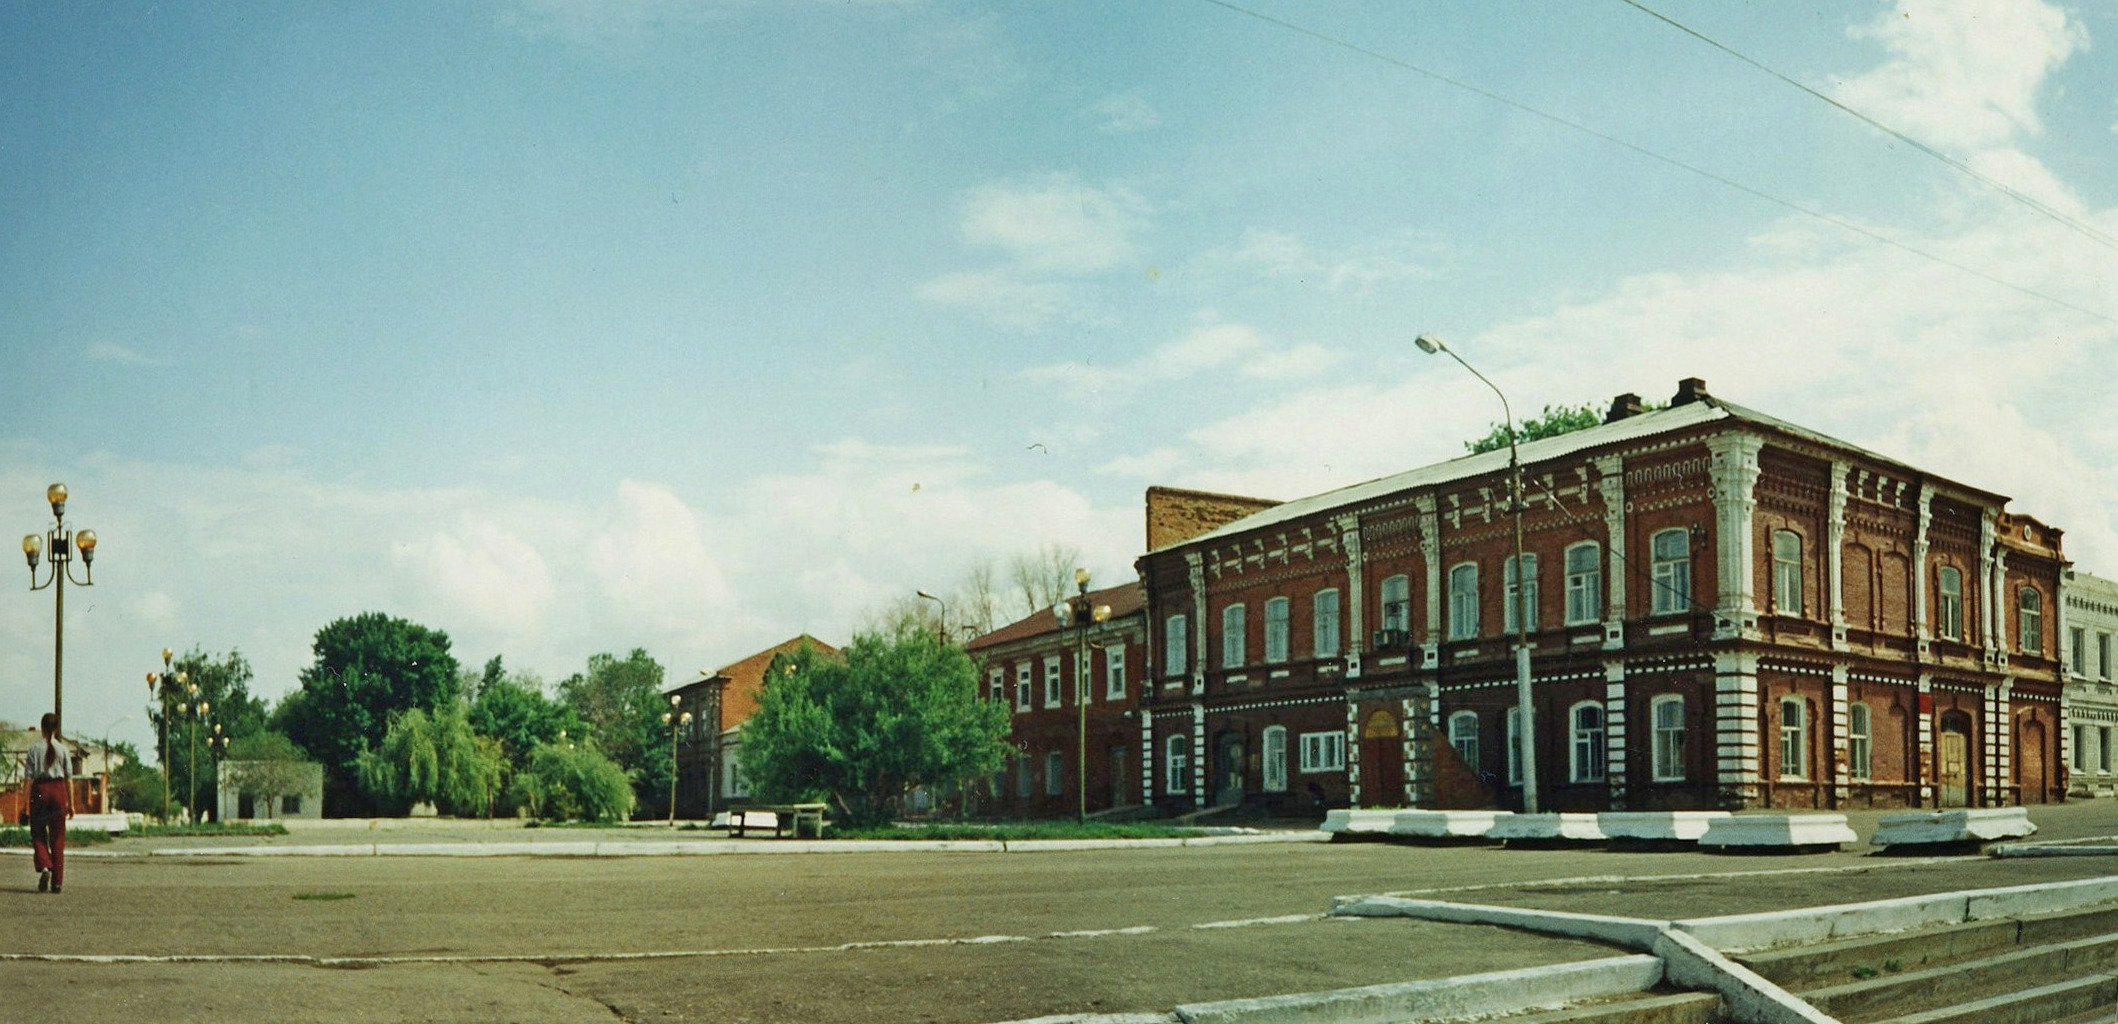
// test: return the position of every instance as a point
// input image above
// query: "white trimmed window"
(1950, 582)
(1022, 686)
(1787, 572)
(1397, 603)
(1515, 745)
(1176, 645)
(1114, 672)
(1794, 738)
(1324, 624)
(1276, 640)
(1463, 601)
(1671, 562)
(1527, 577)
(2103, 655)
(1463, 735)
(1860, 746)
(996, 685)
(1275, 740)
(1233, 640)
(2029, 620)
(1323, 752)
(1051, 682)
(1666, 713)
(1586, 752)
(1054, 773)
(2078, 650)
(1584, 583)
(1176, 764)
(2103, 748)
(2081, 749)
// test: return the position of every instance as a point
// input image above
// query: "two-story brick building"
(1740, 612)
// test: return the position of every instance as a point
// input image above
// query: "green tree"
(268, 764)
(621, 702)
(574, 782)
(899, 710)
(135, 786)
(434, 757)
(1554, 421)
(223, 684)
(367, 668)
(515, 711)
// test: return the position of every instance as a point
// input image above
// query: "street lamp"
(941, 630)
(162, 686)
(1076, 611)
(674, 721)
(196, 710)
(62, 543)
(216, 749)
(1526, 731)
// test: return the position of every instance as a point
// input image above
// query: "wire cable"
(1839, 222)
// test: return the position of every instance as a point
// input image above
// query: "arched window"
(1176, 765)
(1515, 745)
(1787, 572)
(1323, 624)
(1276, 641)
(2029, 620)
(1859, 743)
(1463, 601)
(1584, 583)
(1794, 738)
(1526, 576)
(1671, 559)
(1233, 639)
(1585, 761)
(1397, 603)
(1275, 743)
(1666, 714)
(1950, 583)
(1463, 735)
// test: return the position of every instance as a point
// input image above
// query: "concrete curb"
(1745, 996)
(1632, 933)
(1744, 932)
(1500, 992)
(703, 847)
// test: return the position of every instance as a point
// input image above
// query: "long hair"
(50, 724)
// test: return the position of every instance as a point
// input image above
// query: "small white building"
(269, 790)
(2091, 699)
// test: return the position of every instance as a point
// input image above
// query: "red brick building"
(719, 702)
(1726, 610)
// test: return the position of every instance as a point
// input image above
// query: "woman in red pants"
(50, 805)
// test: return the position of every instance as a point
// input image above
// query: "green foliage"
(574, 782)
(900, 710)
(267, 763)
(206, 828)
(366, 669)
(515, 711)
(1554, 421)
(1020, 830)
(13, 836)
(223, 683)
(136, 787)
(434, 757)
(621, 703)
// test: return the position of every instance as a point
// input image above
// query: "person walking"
(50, 805)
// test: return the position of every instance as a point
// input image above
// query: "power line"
(2085, 230)
(1660, 158)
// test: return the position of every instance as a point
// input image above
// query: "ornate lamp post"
(196, 711)
(675, 721)
(1077, 612)
(216, 748)
(162, 686)
(61, 543)
(1526, 733)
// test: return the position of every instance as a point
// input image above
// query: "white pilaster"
(1430, 552)
(1735, 484)
(1922, 576)
(1834, 551)
(1929, 759)
(1353, 754)
(1199, 754)
(1195, 567)
(1611, 480)
(1841, 749)
(1737, 754)
(1616, 729)
(1349, 542)
(1987, 585)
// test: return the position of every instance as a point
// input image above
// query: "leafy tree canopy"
(223, 683)
(900, 710)
(515, 711)
(1554, 421)
(621, 702)
(573, 782)
(434, 757)
(367, 668)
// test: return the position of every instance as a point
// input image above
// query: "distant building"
(2090, 613)
(92, 765)
(708, 778)
(268, 790)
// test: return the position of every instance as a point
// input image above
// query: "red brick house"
(719, 702)
(1726, 610)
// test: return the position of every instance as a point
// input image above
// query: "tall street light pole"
(61, 542)
(941, 631)
(162, 686)
(675, 721)
(1077, 612)
(1526, 732)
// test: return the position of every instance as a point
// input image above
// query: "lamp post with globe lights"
(1077, 612)
(57, 546)
(675, 721)
(163, 686)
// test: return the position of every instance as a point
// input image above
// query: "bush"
(434, 757)
(574, 783)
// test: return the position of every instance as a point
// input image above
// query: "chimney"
(1689, 390)
(1624, 405)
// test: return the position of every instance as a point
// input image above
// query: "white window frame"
(1176, 644)
(1860, 742)
(1323, 752)
(2029, 620)
(1274, 743)
(1667, 755)
(1279, 618)
(1397, 603)
(1022, 686)
(996, 685)
(2103, 748)
(1324, 624)
(2081, 747)
(1051, 682)
(1530, 592)
(1463, 736)
(1176, 765)
(1794, 739)
(1114, 671)
(1235, 629)
(1671, 573)
(1463, 601)
(1054, 773)
(2103, 655)
(1586, 752)
(1950, 605)
(2078, 650)
(1513, 733)
(1787, 573)
(1584, 583)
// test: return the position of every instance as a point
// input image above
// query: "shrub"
(574, 783)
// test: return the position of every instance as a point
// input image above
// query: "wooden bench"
(783, 819)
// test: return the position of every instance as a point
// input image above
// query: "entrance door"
(2030, 771)
(1117, 776)
(1953, 774)
(1382, 762)
(1227, 769)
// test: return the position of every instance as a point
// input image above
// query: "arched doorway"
(1382, 762)
(1952, 756)
(2032, 767)
(1228, 769)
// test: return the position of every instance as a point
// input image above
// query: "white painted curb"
(1632, 933)
(712, 847)
(1500, 992)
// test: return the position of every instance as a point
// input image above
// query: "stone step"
(2074, 1001)
(1835, 963)
(1678, 1008)
(1960, 983)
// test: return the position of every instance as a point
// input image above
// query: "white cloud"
(1125, 113)
(2025, 174)
(1281, 255)
(483, 571)
(1204, 349)
(112, 352)
(1001, 298)
(1294, 363)
(1056, 223)
(1963, 74)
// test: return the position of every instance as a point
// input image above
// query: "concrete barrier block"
(1547, 827)
(1357, 821)
(1963, 825)
(1777, 831)
(1632, 933)
(1445, 824)
(1657, 826)
(1500, 992)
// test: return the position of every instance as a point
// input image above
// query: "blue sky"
(568, 327)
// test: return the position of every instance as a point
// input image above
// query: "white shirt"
(59, 767)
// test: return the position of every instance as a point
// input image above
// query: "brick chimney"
(1689, 390)
(1624, 405)
(1175, 515)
